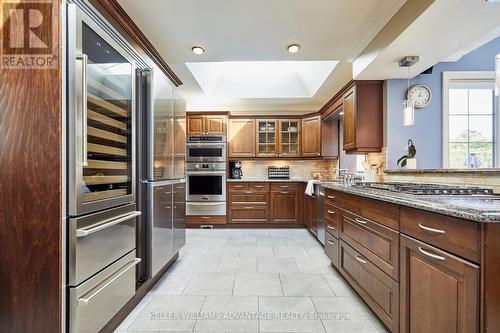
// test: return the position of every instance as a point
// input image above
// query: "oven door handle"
(208, 173)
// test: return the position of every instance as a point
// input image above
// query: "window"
(470, 120)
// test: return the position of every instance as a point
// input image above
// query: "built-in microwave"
(206, 152)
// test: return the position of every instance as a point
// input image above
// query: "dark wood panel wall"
(30, 196)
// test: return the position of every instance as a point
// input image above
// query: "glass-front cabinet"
(289, 145)
(101, 119)
(267, 138)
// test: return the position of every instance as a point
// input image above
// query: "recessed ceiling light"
(341, 113)
(198, 49)
(293, 48)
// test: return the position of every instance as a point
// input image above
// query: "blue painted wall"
(426, 133)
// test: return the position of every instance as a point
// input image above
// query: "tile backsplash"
(303, 169)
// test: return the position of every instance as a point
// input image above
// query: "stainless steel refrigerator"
(161, 186)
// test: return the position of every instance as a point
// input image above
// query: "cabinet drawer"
(331, 212)
(381, 212)
(455, 235)
(377, 289)
(332, 227)
(284, 187)
(332, 249)
(248, 214)
(249, 197)
(205, 219)
(377, 243)
(258, 187)
(237, 186)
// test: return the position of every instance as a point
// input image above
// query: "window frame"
(467, 76)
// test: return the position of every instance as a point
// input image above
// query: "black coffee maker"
(235, 170)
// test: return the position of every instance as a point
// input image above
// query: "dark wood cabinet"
(241, 137)
(285, 207)
(203, 124)
(439, 292)
(363, 117)
(330, 136)
(311, 136)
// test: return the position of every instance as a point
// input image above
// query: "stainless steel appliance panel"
(206, 186)
(179, 137)
(97, 240)
(101, 118)
(93, 303)
(206, 208)
(161, 225)
(319, 191)
(179, 219)
(206, 152)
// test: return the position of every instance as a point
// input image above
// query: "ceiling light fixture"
(408, 104)
(198, 49)
(293, 48)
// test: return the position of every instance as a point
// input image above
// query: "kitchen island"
(422, 263)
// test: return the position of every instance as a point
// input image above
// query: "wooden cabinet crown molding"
(114, 13)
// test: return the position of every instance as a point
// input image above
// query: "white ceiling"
(260, 30)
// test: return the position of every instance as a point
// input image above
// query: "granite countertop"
(419, 171)
(475, 208)
(267, 180)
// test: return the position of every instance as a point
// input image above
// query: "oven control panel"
(205, 166)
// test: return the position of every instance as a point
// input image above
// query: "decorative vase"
(411, 163)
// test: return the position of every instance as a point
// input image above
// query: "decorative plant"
(412, 151)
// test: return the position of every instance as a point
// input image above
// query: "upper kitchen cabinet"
(289, 133)
(206, 125)
(363, 117)
(267, 144)
(311, 136)
(330, 136)
(241, 142)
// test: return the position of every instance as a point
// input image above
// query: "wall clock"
(421, 95)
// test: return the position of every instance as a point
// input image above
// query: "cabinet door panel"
(248, 213)
(311, 136)
(285, 207)
(439, 292)
(241, 142)
(289, 134)
(195, 125)
(215, 125)
(332, 249)
(350, 120)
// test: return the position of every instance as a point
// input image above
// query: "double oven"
(206, 175)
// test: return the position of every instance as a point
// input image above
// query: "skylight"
(261, 79)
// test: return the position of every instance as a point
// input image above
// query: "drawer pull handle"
(248, 192)
(285, 192)
(361, 221)
(86, 300)
(248, 207)
(258, 186)
(330, 197)
(205, 217)
(331, 212)
(330, 242)
(330, 226)
(432, 255)
(437, 231)
(284, 186)
(360, 259)
(105, 224)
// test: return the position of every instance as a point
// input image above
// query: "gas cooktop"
(427, 189)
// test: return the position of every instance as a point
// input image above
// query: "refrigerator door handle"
(105, 224)
(84, 58)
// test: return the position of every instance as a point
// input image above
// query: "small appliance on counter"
(235, 171)
(274, 172)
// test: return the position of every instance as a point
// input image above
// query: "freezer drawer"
(93, 303)
(206, 208)
(97, 240)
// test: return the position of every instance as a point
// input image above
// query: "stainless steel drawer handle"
(285, 192)
(284, 186)
(248, 207)
(437, 231)
(126, 268)
(330, 242)
(360, 259)
(361, 221)
(238, 186)
(330, 197)
(105, 224)
(248, 192)
(205, 217)
(431, 255)
(331, 212)
(258, 186)
(330, 227)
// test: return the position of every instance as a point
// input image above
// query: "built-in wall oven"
(206, 188)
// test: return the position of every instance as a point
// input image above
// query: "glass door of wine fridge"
(101, 118)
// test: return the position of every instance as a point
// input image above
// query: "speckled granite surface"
(266, 180)
(467, 171)
(485, 210)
